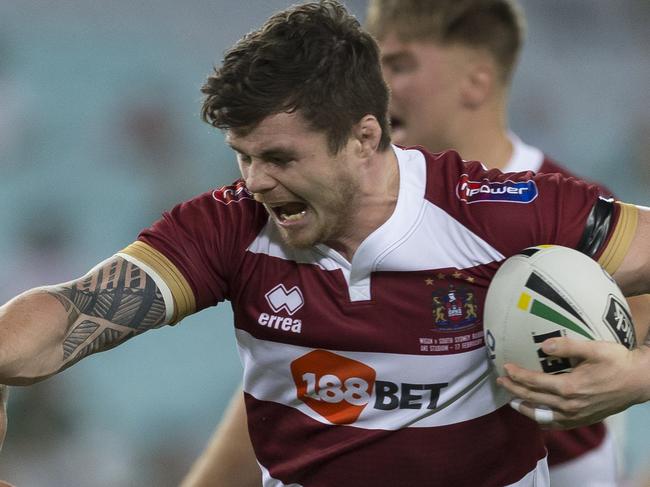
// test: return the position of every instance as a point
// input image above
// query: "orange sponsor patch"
(336, 387)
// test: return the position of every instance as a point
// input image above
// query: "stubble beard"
(335, 222)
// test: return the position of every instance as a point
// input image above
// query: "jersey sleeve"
(550, 166)
(513, 211)
(195, 249)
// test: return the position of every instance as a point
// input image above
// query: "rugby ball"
(551, 291)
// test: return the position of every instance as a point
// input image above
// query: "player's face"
(424, 83)
(309, 193)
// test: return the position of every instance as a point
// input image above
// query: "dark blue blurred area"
(100, 132)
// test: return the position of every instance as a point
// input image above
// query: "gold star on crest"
(457, 275)
(429, 282)
(440, 275)
(470, 279)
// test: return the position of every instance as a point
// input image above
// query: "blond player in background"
(449, 65)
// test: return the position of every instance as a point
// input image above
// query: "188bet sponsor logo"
(339, 388)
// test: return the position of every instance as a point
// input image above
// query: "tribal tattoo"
(113, 303)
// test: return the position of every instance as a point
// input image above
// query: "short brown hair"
(495, 25)
(313, 58)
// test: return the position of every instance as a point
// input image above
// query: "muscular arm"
(46, 330)
(228, 460)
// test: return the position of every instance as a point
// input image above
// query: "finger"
(530, 395)
(541, 414)
(546, 418)
(534, 380)
(568, 348)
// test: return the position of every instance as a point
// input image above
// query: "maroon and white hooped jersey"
(374, 371)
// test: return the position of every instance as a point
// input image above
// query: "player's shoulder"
(231, 199)
(226, 210)
(550, 165)
(236, 193)
(445, 168)
(451, 181)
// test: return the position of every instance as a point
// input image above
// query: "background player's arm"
(633, 275)
(48, 329)
(640, 309)
(609, 378)
(4, 392)
(228, 460)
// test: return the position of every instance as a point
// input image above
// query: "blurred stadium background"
(100, 132)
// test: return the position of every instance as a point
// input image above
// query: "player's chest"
(428, 312)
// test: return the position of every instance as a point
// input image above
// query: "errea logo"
(282, 300)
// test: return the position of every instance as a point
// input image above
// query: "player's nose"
(257, 178)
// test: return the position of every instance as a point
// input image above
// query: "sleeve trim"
(160, 284)
(183, 300)
(622, 236)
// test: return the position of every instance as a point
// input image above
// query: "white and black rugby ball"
(551, 291)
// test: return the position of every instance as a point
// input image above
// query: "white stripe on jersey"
(418, 236)
(269, 242)
(270, 379)
(449, 244)
(268, 481)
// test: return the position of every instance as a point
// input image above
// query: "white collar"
(524, 157)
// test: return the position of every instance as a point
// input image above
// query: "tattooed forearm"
(108, 306)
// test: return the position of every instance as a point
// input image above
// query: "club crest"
(454, 308)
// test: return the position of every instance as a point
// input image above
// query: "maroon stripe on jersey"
(565, 445)
(493, 450)
(408, 312)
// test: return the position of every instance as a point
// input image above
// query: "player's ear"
(478, 83)
(366, 134)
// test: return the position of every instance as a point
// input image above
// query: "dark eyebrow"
(272, 153)
(234, 147)
(278, 153)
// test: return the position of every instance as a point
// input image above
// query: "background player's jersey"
(562, 445)
(374, 371)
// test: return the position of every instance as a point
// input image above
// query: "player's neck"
(480, 132)
(377, 201)
(484, 137)
(493, 149)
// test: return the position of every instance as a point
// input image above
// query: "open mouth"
(290, 212)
